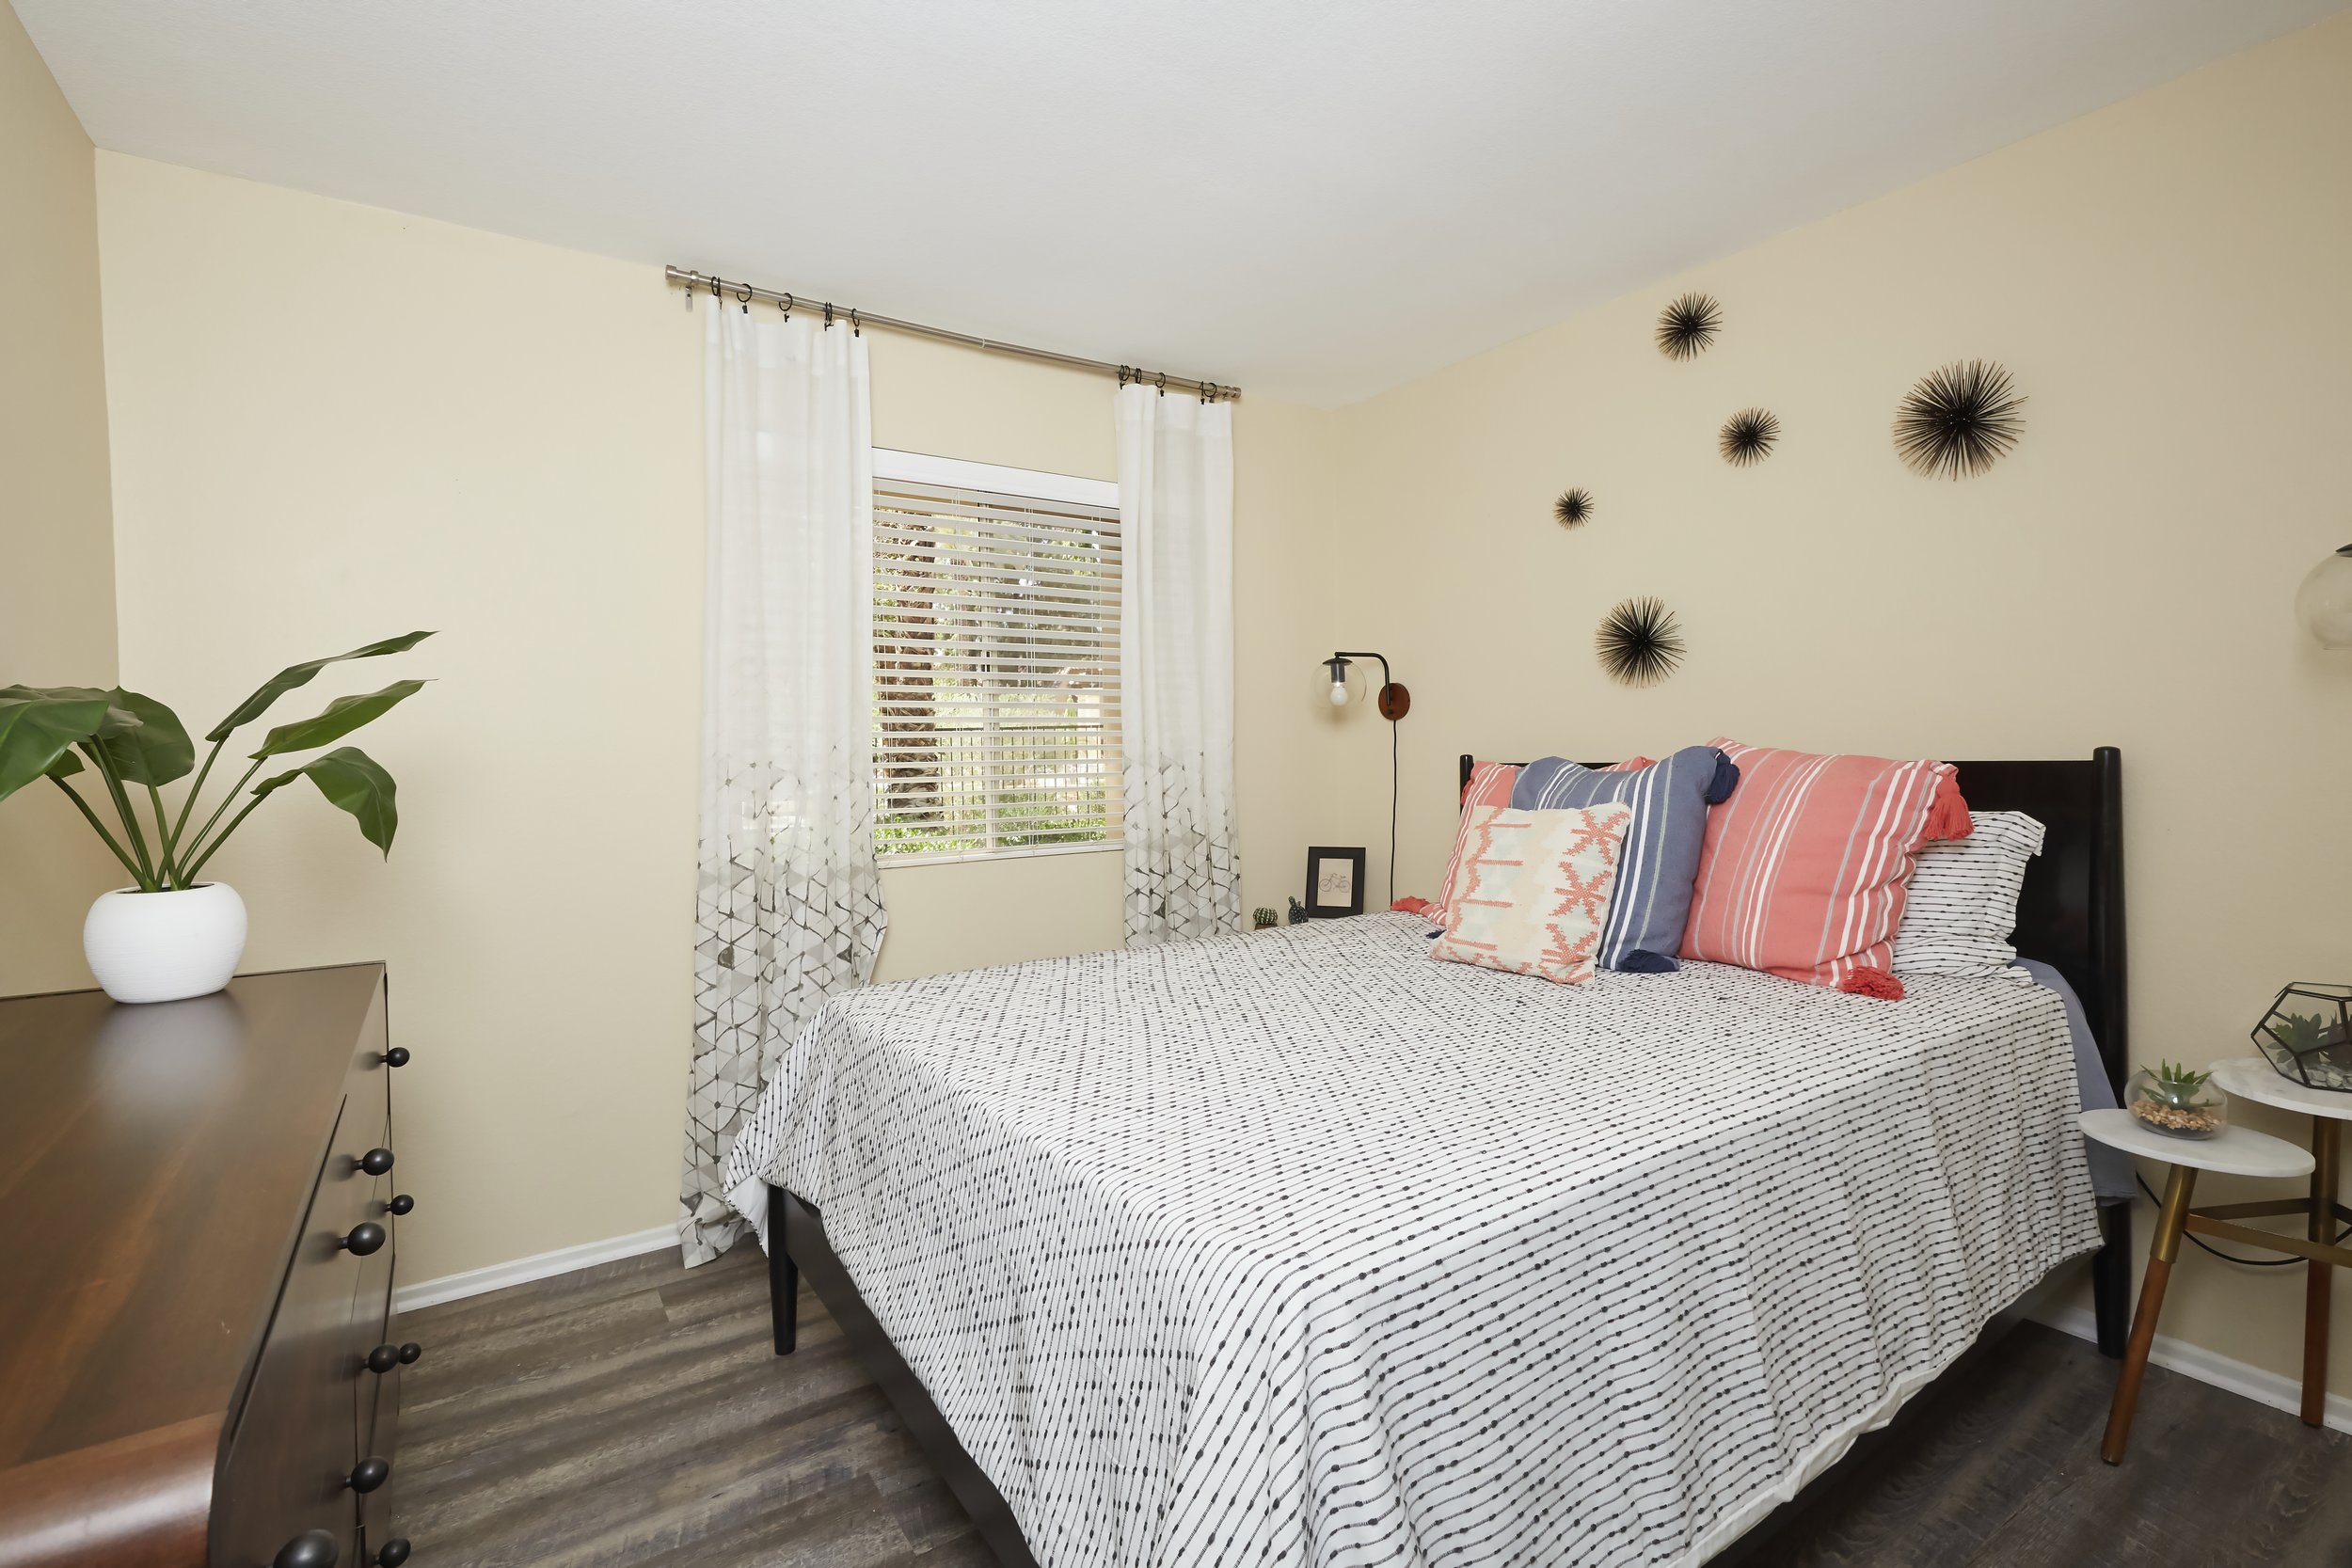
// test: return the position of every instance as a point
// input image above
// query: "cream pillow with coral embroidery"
(1531, 889)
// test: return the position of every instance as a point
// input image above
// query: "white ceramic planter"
(164, 947)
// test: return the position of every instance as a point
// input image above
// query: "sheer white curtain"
(788, 905)
(1176, 664)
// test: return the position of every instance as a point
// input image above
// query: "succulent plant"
(1263, 917)
(2175, 1085)
(2298, 1032)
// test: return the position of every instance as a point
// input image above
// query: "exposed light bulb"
(2324, 602)
(1339, 693)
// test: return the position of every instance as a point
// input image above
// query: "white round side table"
(2253, 1078)
(2233, 1151)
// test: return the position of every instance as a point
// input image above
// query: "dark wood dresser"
(197, 1206)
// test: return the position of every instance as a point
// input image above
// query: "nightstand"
(2235, 1151)
(2253, 1078)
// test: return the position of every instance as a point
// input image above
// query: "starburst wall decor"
(1958, 421)
(1748, 436)
(1573, 507)
(1640, 642)
(1688, 326)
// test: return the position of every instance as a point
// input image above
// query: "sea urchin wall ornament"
(1958, 421)
(1640, 642)
(1747, 437)
(1573, 507)
(1689, 325)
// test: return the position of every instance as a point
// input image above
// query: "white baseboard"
(522, 1271)
(2270, 1388)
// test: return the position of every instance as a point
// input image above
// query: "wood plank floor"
(633, 1414)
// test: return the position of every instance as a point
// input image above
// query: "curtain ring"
(714, 288)
(1208, 391)
(788, 305)
(1122, 375)
(829, 315)
(1163, 384)
(743, 298)
(855, 331)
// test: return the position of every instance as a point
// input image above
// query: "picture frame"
(1335, 882)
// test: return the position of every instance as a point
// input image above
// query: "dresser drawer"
(291, 1452)
(375, 1401)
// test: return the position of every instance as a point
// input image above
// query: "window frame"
(893, 464)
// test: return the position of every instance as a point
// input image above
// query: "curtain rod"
(744, 292)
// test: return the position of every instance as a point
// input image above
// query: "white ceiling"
(1315, 199)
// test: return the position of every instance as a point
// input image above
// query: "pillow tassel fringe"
(1865, 981)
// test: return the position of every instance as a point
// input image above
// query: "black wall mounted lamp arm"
(1395, 702)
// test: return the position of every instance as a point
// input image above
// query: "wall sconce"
(2324, 603)
(1395, 702)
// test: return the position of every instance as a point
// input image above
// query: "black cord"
(2231, 1257)
(1393, 724)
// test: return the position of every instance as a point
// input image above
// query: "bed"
(1297, 1247)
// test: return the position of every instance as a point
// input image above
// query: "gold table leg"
(2162, 1247)
(2319, 1276)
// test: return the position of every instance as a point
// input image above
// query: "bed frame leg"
(784, 1277)
(2111, 1279)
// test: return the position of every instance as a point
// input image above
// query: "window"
(995, 662)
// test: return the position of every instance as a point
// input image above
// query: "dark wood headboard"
(2070, 914)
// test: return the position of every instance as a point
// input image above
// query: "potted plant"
(171, 934)
(2178, 1101)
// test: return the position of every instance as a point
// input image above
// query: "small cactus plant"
(1261, 918)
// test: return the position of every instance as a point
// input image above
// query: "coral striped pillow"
(1531, 895)
(1490, 785)
(1803, 867)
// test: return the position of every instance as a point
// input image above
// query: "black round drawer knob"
(393, 1553)
(375, 1162)
(396, 1056)
(371, 1473)
(366, 1237)
(402, 1203)
(383, 1358)
(409, 1352)
(313, 1548)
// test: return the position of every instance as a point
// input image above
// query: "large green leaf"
(37, 726)
(118, 718)
(155, 750)
(352, 780)
(341, 717)
(299, 674)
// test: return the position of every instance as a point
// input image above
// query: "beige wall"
(2156, 276)
(57, 628)
(333, 423)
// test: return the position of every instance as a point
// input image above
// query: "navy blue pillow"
(1652, 901)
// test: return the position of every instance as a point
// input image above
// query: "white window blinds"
(996, 673)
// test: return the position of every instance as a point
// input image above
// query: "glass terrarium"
(2308, 1035)
(2175, 1101)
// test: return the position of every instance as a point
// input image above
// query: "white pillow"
(1960, 909)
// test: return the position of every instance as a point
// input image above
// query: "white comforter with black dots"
(1304, 1248)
